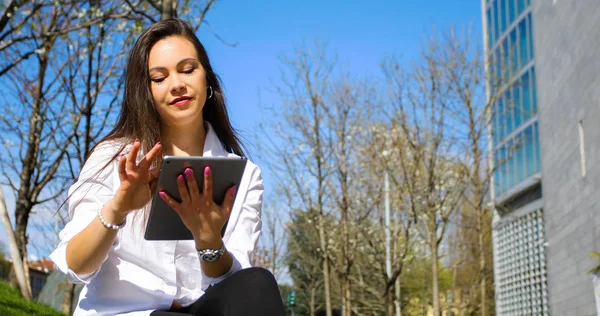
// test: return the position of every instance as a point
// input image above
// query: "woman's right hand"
(136, 179)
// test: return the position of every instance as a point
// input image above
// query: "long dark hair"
(140, 120)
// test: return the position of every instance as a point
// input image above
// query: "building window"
(512, 14)
(517, 159)
(521, 5)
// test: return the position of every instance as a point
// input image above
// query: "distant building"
(38, 273)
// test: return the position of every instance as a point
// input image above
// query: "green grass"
(11, 303)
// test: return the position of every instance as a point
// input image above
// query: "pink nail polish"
(180, 179)
(232, 190)
(207, 171)
(162, 194)
(189, 172)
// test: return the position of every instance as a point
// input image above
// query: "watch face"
(211, 255)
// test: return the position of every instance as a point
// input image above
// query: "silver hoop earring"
(211, 92)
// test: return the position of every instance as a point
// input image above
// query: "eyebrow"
(179, 63)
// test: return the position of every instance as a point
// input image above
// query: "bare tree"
(21, 38)
(421, 106)
(349, 110)
(78, 63)
(300, 151)
(195, 12)
(475, 96)
(38, 135)
(384, 151)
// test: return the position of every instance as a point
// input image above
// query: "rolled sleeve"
(244, 227)
(92, 190)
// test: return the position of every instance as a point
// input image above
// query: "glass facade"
(520, 156)
(519, 251)
(514, 115)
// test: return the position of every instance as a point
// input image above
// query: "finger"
(170, 201)
(208, 185)
(146, 162)
(192, 184)
(228, 201)
(131, 157)
(183, 191)
(153, 174)
(122, 169)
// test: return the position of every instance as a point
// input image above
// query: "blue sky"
(361, 32)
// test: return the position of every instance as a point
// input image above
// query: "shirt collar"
(212, 143)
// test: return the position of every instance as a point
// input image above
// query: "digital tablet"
(163, 221)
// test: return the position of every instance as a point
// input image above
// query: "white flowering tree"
(383, 151)
(420, 106)
(300, 152)
(349, 110)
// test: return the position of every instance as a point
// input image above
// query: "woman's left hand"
(198, 211)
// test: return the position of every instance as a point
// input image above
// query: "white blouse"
(140, 276)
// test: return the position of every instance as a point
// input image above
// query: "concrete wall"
(566, 38)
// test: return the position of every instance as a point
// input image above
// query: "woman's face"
(177, 81)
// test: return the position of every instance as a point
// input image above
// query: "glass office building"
(518, 227)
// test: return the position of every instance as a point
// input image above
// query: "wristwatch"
(211, 255)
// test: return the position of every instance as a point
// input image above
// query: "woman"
(173, 105)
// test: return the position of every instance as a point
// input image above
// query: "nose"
(176, 84)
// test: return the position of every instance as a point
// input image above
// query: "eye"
(189, 71)
(157, 80)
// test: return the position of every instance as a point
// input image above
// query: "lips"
(181, 101)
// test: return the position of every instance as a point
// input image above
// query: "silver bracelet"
(109, 225)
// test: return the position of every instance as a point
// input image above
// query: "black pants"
(251, 291)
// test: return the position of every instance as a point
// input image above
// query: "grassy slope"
(11, 303)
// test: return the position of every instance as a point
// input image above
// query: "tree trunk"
(22, 218)
(347, 296)
(482, 263)
(325, 265)
(435, 273)
(168, 10)
(389, 299)
(22, 277)
(313, 295)
(67, 303)
(27, 194)
(398, 301)
(346, 251)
